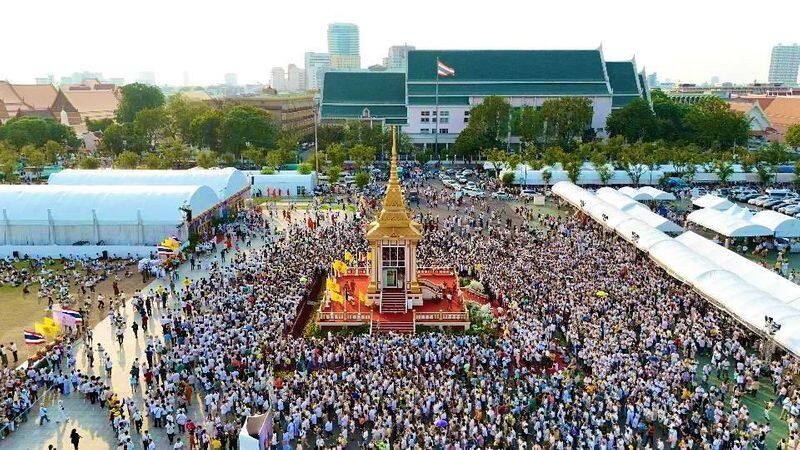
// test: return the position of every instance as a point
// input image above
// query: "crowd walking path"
(92, 421)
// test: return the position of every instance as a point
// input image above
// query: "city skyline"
(714, 49)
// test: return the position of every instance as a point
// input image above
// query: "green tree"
(304, 169)
(276, 158)
(327, 135)
(498, 158)
(669, 117)
(334, 172)
(288, 144)
(633, 162)
(22, 131)
(723, 166)
(599, 161)
(89, 162)
(150, 125)
(153, 160)
(714, 125)
(174, 153)
(422, 157)
(207, 158)
(337, 154)
(9, 161)
(205, 129)
(507, 179)
(491, 119)
(572, 165)
(127, 160)
(553, 155)
(793, 136)
(137, 97)
(635, 122)
(547, 175)
(98, 125)
(34, 158)
(566, 118)
(255, 155)
(362, 179)
(529, 126)
(52, 150)
(241, 125)
(181, 112)
(470, 142)
(362, 155)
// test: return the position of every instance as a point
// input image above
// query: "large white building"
(397, 59)
(316, 65)
(784, 64)
(296, 79)
(278, 79)
(523, 77)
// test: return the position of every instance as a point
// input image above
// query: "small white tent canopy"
(605, 214)
(789, 334)
(655, 220)
(115, 215)
(640, 234)
(755, 274)
(739, 212)
(726, 225)
(712, 201)
(656, 194)
(618, 200)
(745, 301)
(574, 195)
(782, 225)
(224, 182)
(680, 261)
(633, 193)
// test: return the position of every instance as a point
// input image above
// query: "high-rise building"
(231, 80)
(316, 66)
(80, 77)
(343, 46)
(147, 77)
(652, 80)
(47, 79)
(784, 64)
(295, 79)
(398, 57)
(714, 80)
(278, 80)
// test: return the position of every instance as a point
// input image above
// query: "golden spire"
(393, 220)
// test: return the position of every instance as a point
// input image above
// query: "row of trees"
(636, 158)
(709, 123)
(557, 122)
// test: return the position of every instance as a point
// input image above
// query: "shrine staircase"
(393, 301)
(394, 317)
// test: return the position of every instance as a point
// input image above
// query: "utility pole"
(316, 143)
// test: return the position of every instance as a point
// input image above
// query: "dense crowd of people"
(592, 347)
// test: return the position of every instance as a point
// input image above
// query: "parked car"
(471, 185)
(758, 200)
(474, 193)
(501, 195)
(467, 173)
(527, 194)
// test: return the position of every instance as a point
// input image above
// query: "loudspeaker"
(16, 254)
(105, 254)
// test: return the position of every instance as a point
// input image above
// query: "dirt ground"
(19, 312)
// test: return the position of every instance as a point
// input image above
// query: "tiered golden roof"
(394, 221)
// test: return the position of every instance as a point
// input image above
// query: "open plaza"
(577, 318)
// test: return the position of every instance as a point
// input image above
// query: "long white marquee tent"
(728, 225)
(745, 289)
(225, 183)
(91, 214)
(782, 225)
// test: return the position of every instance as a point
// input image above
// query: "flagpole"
(436, 127)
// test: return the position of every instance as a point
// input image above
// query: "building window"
(434, 112)
(444, 113)
(443, 130)
(444, 120)
(425, 119)
(425, 113)
(466, 119)
(433, 119)
(424, 130)
(466, 113)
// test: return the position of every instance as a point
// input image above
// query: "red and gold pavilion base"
(437, 310)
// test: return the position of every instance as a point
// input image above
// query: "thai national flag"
(443, 70)
(72, 313)
(33, 338)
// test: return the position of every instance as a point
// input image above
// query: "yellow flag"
(337, 297)
(348, 256)
(363, 297)
(339, 266)
(332, 285)
(40, 328)
(48, 321)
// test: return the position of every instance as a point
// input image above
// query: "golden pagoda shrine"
(389, 292)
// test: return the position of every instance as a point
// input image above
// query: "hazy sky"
(682, 40)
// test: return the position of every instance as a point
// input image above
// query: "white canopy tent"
(618, 200)
(739, 212)
(754, 273)
(712, 202)
(657, 194)
(680, 261)
(727, 225)
(225, 182)
(606, 214)
(655, 220)
(782, 225)
(633, 193)
(111, 215)
(640, 234)
(574, 195)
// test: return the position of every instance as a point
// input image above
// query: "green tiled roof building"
(524, 77)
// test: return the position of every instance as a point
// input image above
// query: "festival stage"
(436, 310)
